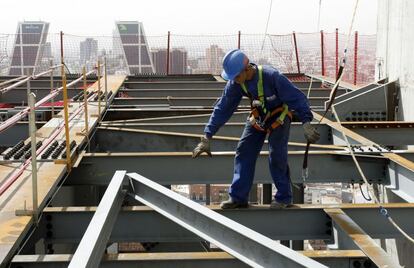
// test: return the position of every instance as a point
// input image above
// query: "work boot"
(278, 205)
(230, 204)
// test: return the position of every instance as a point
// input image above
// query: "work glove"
(202, 147)
(311, 134)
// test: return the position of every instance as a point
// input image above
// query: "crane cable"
(317, 30)
(267, 26)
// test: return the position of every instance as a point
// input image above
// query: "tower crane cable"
(267, 26)
(317, 30)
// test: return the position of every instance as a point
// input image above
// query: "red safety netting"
(194, 54)
(366, 58)
(309, 51)
(276, 50)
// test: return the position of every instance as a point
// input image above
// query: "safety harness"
(260, 118)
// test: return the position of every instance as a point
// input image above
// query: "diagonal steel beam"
(361, 239)
(92, 246)
(243, 243)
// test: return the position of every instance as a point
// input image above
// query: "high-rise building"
(214, 57)
(130, 38)
(47, 51)
(28, 47)
(178, 61)
(159, 59)
(88, 51)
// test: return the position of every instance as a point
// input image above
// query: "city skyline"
(129, 50)
(183, 16)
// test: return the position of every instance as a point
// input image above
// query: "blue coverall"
(277, 90)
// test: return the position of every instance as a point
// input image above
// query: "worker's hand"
(311, 134)
(202, 147)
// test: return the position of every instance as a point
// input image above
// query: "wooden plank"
(12, 227)
(361, 239)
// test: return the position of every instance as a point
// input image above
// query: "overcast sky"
(96, 17)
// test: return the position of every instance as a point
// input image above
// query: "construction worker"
(272, 97)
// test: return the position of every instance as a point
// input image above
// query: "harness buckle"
(256, 103)
(281, 122)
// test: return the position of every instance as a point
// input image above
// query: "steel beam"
(180, 168)
(190, 101)
(362, 239)
(402, 183)
(192, 118)
(383, 133)
(16, 133)
(174, 84)
(259, 218)
(138, 113)
(171, 78)
(370, 105)
(401, 178)
(241, 242)
(209, 92)
(92, 246)
(331, 258)
(353, 93)
(196, 84)
(151, 112)
(109, 139)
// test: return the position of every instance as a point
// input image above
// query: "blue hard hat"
(234, 63)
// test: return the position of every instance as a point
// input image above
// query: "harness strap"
(260, 91)
(284, 110)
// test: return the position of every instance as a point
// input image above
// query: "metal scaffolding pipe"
(19, 171)
(14, 119)
(12, 80)
(32, 77)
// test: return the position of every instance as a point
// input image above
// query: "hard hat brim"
(227, 76)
